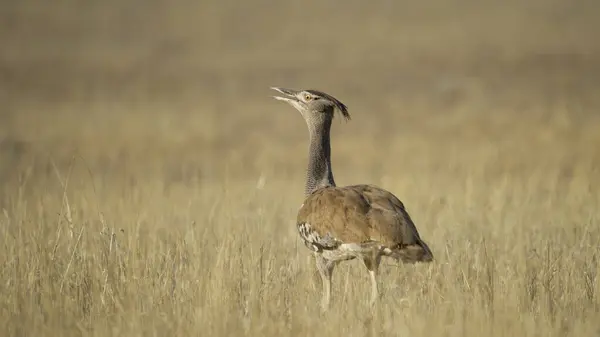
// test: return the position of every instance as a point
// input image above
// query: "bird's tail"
(416, 252)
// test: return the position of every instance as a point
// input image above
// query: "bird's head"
(314, 105)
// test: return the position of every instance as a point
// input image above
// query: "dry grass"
(148, 184)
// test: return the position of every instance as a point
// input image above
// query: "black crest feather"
(341, 106)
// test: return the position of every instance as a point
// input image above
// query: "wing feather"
(356, 214)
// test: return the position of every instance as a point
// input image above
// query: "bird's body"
(344, 223)
(365, 216)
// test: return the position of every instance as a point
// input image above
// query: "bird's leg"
(372, 264)
(326, 270)
(374, 290)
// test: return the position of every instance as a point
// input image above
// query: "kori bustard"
(344, 223)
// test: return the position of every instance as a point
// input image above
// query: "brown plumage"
(344, 223)
(362, 214)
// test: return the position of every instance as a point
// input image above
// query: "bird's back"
(359, 214)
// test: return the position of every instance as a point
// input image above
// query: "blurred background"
(182, 87)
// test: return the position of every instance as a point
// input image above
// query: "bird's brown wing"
(389, 222)
(354, 214)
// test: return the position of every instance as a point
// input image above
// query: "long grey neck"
(319, 173)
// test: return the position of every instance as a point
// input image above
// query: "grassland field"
(149, 183)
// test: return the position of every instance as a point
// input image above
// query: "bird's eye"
(307, 97)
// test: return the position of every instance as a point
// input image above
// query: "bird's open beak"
(290, 94)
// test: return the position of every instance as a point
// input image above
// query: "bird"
(342, 223)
